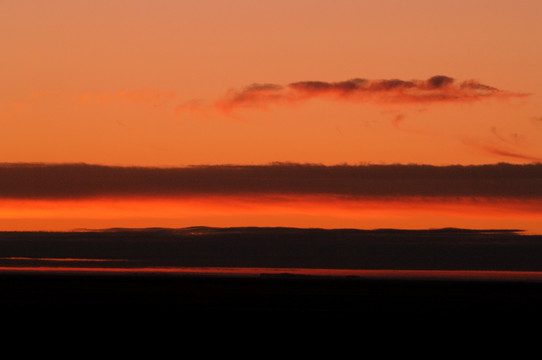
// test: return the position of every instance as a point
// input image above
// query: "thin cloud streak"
(74, 181)
(501, 150)
(438, 88)
(511, 154)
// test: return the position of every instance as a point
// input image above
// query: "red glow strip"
(388, 274)
(59, 259)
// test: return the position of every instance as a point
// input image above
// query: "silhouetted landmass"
(436, 249)
(270, 297)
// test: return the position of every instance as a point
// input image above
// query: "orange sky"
(138, 83)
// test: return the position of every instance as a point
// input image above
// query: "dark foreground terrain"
(110, 295)
(268, 296)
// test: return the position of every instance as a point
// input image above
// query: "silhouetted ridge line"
(285, 248)
(284, 229)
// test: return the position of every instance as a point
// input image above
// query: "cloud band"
(438, 88)
(65, 181)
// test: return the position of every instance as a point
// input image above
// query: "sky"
(208, 82)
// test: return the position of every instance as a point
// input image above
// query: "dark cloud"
(438, 88)
(253, 95)
(42, 181)
(388, 85)
(321, 86)
(474, 85)
(439, 81)
(511, 154)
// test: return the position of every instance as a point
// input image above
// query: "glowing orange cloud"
(435, 89)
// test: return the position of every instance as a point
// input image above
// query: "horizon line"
(275, 228)
(9, 164)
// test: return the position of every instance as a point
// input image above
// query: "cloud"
(512, 146)
(438, 88)
(73, 181)
(511, 154)
(255, 95)
(514, 139)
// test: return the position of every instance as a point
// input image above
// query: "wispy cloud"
(504, 145)
(514, 139)
(438, 88)
(42, 181)
(501, 152)
(194, 107)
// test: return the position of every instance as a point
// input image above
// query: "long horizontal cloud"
(438, 88)
(65, 181)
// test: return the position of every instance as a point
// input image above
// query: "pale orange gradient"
(131, 83)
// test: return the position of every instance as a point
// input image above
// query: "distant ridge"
(261, 229)
(284, 248)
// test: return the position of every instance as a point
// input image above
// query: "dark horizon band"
(64, 181)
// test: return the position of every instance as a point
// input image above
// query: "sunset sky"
(178, 83)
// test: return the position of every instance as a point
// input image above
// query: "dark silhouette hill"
(432, 249)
